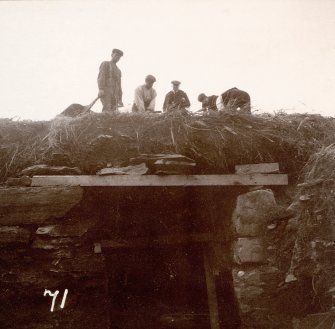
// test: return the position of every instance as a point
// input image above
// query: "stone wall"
(256, 277)
(43, 247)
(47, 238)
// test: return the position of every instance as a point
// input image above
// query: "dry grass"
(310, 248)
(21, 144)
(217, 142)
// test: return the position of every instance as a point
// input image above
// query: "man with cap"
(109, 83)
(232, 99)
(176, 99)
(145, 96)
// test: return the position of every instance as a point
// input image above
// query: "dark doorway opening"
(158, 288)
(166, 288)
(155, 242)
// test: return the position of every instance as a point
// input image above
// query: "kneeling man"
(145, 96)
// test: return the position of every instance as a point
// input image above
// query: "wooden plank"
(211, 293)
(159, 241)
(169, 180)
(260, 168)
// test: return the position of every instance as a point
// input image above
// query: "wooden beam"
(168, 180)
(211, 293)
(261, 168)
(159, 241)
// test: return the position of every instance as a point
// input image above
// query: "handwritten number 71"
(54, 296)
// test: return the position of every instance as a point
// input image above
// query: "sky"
(281, 52)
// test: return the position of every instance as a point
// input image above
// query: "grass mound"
(308, 244)
(217, 142)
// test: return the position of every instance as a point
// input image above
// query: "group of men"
(110, 93)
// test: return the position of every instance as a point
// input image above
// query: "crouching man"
(233, 99)
(145, 96)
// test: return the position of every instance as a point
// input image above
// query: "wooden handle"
(91, 105)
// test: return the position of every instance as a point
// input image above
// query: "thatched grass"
(21, 144)
(217, 142)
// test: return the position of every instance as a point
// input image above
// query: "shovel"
(75, 110)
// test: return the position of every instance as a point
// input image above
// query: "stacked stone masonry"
(255, 278)
(40, 248)
(44, 247)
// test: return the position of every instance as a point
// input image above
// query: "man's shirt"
(145, 99)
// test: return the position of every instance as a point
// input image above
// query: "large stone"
(14, 234)
(179, 167)
(253, 211)
(256, 293)
(19, 181)
(84, 263)
(52, 244)
(140, 169)
(75, 228)
(249, 250)
(35, 205)
(263, 168)
(150, 159)
(259, 276)
(44, 169)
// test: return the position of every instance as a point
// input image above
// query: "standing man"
(109, 83)
(176, 99)
(145, 96)
(232, 99)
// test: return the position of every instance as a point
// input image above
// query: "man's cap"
(117, 51)
(201, 97)
(176, 82)
(150, 78)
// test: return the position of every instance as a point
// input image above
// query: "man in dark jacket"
(232, 99)
(109, 83)
(208, 102)
(176, 99)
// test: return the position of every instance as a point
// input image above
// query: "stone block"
(84, 263)
(249, 250)
(41, 170)
(254, 210)
(140, 169)
(35, 205)
(264, 168)
(52, 244)
(75, 228)
(14, 234)
(256, 292)
(19, 181)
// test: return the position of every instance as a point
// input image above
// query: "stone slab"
(249, 250)
(44, 169)
(253, 211)
(35, 205)
(14, 234)
(263, 168)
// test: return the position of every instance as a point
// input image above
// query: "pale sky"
(281, 52)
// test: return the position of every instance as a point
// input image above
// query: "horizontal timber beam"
(168, 180)
(164, 240)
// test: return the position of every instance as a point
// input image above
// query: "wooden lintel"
(168, 180)
(160, 241)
